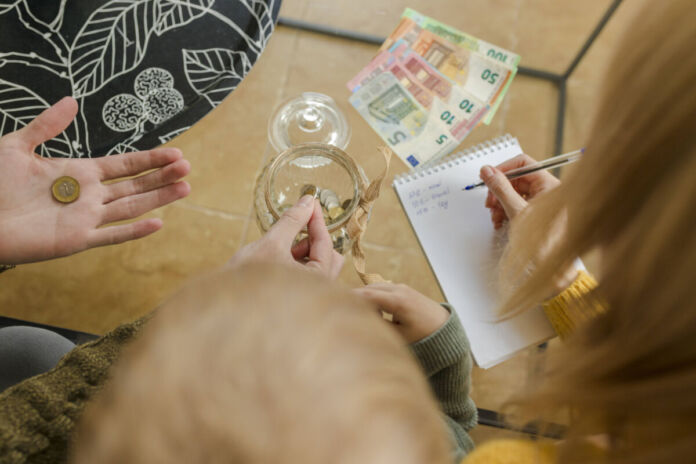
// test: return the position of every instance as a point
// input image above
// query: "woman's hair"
(631, 373)
(261, 365)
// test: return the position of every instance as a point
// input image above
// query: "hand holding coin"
(316, 252)
(51, 208)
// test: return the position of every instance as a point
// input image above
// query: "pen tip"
(468, 187)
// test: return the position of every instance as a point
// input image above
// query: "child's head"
(263, 365)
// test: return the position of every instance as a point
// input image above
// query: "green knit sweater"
(37, 416)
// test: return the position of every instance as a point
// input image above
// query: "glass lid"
(311, 117)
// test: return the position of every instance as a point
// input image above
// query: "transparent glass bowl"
(315, 168)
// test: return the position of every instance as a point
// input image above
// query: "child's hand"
(415, 315)
(313, 253)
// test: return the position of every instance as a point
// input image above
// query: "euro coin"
(66, 189)
(335, 212)
(310, 190)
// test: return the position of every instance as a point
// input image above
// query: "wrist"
(444, 347)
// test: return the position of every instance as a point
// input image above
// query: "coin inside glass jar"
(335, 182)
(310, 190)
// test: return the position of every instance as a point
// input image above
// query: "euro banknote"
(484, 69)
(506, 57)
(404, 124)
(456, 107)
(429, 86)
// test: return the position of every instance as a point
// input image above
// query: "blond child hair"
(263, 364)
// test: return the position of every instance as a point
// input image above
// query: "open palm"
(34, 226)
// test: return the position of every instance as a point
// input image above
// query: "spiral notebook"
(457, 236)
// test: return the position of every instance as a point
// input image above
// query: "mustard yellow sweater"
(565, 318)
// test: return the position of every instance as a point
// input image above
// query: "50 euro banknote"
(406, 125)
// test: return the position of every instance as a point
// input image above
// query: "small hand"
(506, 198)
(414, 315)
(35, 227)
(315, 252)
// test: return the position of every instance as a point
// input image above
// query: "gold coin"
(65, 189)
(310, 190)
(335, 212)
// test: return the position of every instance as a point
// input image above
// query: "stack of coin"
(331, 203)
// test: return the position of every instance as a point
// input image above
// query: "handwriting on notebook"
(429, 199)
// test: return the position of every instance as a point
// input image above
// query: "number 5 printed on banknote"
(401, 121)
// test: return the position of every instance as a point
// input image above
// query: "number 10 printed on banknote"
(430, 86)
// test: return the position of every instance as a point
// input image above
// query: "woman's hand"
(35, 227)
(315, 252)
(506, 198)
(414, 315)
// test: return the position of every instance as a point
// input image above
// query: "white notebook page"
(456, 234)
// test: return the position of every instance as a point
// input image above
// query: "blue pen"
(550, 163)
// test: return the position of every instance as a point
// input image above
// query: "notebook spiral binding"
(457, 158)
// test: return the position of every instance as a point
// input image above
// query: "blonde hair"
(630, 374)
(265, 365)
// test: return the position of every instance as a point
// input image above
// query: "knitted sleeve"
(565, 316)
(445, 357)
(37, 416)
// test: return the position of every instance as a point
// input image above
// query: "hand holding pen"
(525, 170)
(507, 197)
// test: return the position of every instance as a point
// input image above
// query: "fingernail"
(306, 200)
(486, 172)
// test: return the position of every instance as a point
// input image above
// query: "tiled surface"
(98, 289)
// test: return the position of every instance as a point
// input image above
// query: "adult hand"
(35, 227)
(315, 252)
(414, 315)
(506, 198)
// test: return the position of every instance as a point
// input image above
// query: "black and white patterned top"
(142, 71)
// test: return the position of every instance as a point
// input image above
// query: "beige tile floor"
(101, 288)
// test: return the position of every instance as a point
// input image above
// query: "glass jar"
(319, 169)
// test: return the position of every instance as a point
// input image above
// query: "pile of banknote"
(429, 86)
